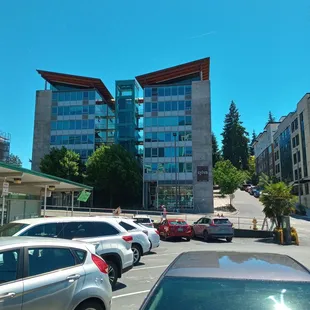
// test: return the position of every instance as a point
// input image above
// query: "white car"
(153, 235)
(140, 244)
(144, 220)
(52, 274)
(112, 241)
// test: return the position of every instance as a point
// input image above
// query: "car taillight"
(157, 232)
(127, 238)
(100, 263)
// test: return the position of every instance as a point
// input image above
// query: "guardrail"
(238, 221)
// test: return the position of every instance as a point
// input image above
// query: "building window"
(307, 188)
(147, 152)
(295, 159)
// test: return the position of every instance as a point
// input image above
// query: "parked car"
(113, 242)
(153, 235)
(213, 228)
(144, 220)
(140, 244)
(244, 187)
(247, 187)
(257, 192)
(251, 190)
(231, 280)
(52, 274)
(175, 228)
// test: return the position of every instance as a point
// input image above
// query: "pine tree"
(216, 156)
(271, 118)
(251, 146)
(235, 139)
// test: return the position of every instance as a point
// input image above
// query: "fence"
(238, 221)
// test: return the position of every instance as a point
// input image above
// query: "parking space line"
(143, 268)
(130, 294)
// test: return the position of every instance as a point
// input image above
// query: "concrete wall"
(202, 145)
(42, 127)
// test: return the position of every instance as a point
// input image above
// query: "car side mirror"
(195, 222)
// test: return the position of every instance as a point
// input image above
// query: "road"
(135, 284)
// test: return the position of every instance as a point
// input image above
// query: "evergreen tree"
(235, 139)
(251, 147)
(216, 156)
(271, 118)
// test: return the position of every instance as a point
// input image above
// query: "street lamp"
(176, 174)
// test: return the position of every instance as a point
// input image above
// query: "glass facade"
(168, 145)
(286, 155)
(303, 144)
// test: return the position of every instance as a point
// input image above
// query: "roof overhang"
(33, 182)
(78, 81)
(201, 66)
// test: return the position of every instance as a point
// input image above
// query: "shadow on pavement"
(265, 240)
(300, 217)
(119, 286)
(139, 264)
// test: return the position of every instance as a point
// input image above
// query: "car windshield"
(221, 221)
(142, 220)
(177, 222)
(218, 294)
(11, 229)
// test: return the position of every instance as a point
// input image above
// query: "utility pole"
(176, 174)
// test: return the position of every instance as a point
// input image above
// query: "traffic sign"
(5, 189)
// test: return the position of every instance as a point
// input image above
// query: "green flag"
(84, 196)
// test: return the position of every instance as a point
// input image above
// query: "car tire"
(136, 254)
(193, 234)
(93, 305)
(206, 236)
(113, 273)
(229, 239)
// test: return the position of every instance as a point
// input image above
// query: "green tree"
(278, 200)
(114, 170)
(228, 177)
(216, 156)
(235, 139)
(14, 160)
(251, 147)
(252, 176)
(271, 118)
(62, 163)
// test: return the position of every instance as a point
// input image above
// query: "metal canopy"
(33, 182)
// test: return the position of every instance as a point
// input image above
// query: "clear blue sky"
(259, 51)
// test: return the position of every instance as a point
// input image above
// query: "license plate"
(180, 229)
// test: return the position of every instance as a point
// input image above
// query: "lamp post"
(176, 174)
(299, 189)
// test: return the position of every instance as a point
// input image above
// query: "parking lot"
(135, 284)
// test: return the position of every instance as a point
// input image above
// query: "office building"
(5, 140)
(74, 111)
(291, 144)
(177, 137)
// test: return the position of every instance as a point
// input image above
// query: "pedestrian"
(164, 212)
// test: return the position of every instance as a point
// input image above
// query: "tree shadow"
(300, 217)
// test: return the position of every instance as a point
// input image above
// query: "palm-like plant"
(277, 200)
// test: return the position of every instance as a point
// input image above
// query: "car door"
(11, 282)
(52, 276)
(197, 227)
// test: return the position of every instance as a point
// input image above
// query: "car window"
(143, 220)
(127, 226)
(11, 229)
(8, 265)
(43, 260)
(192, 293)
(88, 230)
(221, 221)
(199, 221)
(81, 255)
(177, 223)
(205, 221)
(44, 230)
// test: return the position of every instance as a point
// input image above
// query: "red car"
(175, 228)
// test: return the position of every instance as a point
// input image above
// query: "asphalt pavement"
(134, 286)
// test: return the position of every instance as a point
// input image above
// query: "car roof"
(12, 242)
(175, 219)
(39, 220)
(142, 216)
(238, 265)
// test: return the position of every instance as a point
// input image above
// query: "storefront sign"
(202, 173)
(5, 188)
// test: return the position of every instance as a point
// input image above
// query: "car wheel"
(113, 272)
(136, 254)
(90, 305)
(193, 233)
(206, 237)
(229, 239)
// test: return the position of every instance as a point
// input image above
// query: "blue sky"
(259, 51)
